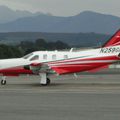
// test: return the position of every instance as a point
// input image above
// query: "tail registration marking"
(110, 50)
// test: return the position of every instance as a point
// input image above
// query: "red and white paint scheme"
(44, 63)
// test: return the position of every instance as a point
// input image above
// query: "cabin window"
(65, 56)
(36, 57)
(45, 57)
(53, 57)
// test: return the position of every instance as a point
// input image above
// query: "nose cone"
(11, 63)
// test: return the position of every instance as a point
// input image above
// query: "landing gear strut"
(44, 81)
(3, 81)
(47, 82)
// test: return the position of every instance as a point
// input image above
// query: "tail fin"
(114, 40)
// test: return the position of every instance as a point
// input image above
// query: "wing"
(98, 69)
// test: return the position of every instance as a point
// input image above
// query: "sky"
(65, 7)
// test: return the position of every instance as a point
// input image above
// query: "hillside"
(9, 15)
(84, 22)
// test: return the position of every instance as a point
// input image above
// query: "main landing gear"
(3, 81)
(44, 81)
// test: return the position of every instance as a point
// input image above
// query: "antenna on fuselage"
(71, 50)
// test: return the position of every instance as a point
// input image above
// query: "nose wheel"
(3, 81)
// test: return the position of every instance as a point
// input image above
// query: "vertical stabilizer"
(114, 40)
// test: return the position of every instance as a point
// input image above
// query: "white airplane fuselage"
(50, 57)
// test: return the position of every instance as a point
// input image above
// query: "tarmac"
(85, 97)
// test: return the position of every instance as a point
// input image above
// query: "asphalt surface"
(87, 97)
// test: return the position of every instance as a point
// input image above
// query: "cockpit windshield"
(28, 56)
(36, 57)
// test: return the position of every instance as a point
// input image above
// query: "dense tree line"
(25, 47)
(7, 51)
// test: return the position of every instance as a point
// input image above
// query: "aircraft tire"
(48, 81)
(3, 82)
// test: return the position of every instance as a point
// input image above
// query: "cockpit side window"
(28, 56)
(36, 57)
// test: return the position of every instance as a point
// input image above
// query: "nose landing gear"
(3, 81)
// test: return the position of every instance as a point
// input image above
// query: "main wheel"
(3, 82)
(48, 81)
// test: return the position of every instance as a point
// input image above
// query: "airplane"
(44, 63)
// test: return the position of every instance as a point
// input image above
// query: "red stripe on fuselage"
(85, 59)
(81, 65)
